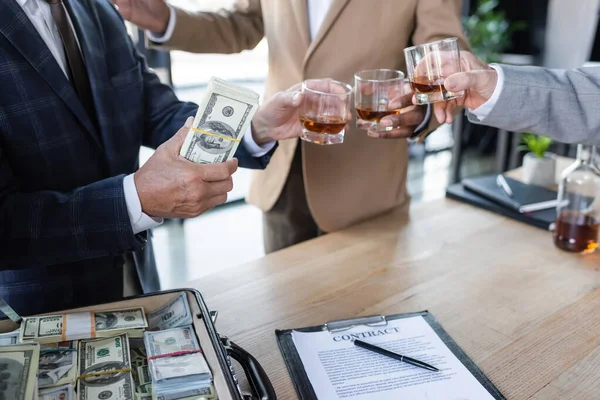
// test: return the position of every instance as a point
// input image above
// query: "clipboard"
(302, 383)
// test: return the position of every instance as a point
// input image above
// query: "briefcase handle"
(257, 377)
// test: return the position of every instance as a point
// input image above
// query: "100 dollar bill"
(19, 371)
(174, 314)
(57, 393)
(105, 369)
(59, 328)
(223, 117)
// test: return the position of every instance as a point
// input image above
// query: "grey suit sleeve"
(564, 105)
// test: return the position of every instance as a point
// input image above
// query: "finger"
(450, 111)
(438, 64)
(217, 172)
(398, 133)
(288, 99)
(216, 201)
(362, 124)
(412, 117)
(401, 102)
(219, 188)
(174, 144)
(472, 80)
(296, 88)
(439, 110)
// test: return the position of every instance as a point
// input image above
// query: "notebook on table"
(483, 192)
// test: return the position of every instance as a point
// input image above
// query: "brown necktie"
(77, 70)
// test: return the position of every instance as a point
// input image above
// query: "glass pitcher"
(578, 210)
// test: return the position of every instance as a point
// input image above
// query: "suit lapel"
(20, 32)
(332, 15)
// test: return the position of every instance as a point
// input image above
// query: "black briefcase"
(218, 350)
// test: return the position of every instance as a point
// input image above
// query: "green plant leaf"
(535, 143)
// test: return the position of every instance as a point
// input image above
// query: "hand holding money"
(170, 186)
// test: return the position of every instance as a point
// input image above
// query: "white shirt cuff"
(253, 148)
(486, 108)
(140, 222)
(165, 37)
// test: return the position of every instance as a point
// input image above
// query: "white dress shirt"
(317, 10)
(40, 15)
(484, 110)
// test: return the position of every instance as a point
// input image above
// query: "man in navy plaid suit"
(71, 206)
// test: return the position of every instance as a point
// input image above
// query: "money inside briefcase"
(161, 346)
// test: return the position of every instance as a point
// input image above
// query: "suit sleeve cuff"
(165, 37)
(486, 108)
(425, 124)
(140, 222)
(254, 148)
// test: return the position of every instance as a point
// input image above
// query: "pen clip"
(345, 324)
(501, 181)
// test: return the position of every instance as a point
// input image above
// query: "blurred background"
(553, 33)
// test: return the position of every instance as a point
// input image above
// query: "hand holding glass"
(374, 91)
(325, 111)
(428, 67)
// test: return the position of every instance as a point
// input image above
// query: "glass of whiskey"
(428, 66)
(374, 91)
(325, 111)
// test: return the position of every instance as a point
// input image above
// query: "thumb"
(174, 144)
(289, 99)
(478, 81)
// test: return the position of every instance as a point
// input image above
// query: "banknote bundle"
(9, 338)
(58, 364)
(141, 373)
(63, 327)
(174, 314)
(19, 365)
(104, 369)
(64, 392)
(223, 116)
(177, 365)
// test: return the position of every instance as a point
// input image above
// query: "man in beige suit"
(308, 189)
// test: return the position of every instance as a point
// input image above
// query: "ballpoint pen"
(395, 356)
(501, 181)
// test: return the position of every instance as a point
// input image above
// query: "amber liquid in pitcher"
(576, 232)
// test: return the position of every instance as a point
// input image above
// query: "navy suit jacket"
(64, 225)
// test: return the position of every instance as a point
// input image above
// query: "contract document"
(338, 369)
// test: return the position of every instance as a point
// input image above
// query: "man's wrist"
(139, 220)
(256, 150)
(164, 32)
(259, 134)
(484, 110)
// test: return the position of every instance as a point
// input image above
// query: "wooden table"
(527, 313)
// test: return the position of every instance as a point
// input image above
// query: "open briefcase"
(218, 350)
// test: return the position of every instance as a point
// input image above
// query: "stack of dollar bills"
(64, 392)
(58, 366)
(174, 314)
(223, 116)
(104, 369)
(9, 338)
(62, 327)
(18, 373)
(177, 365)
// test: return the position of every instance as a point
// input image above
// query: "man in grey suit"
(562, 104)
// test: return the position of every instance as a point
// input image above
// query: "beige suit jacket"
(362, 177)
